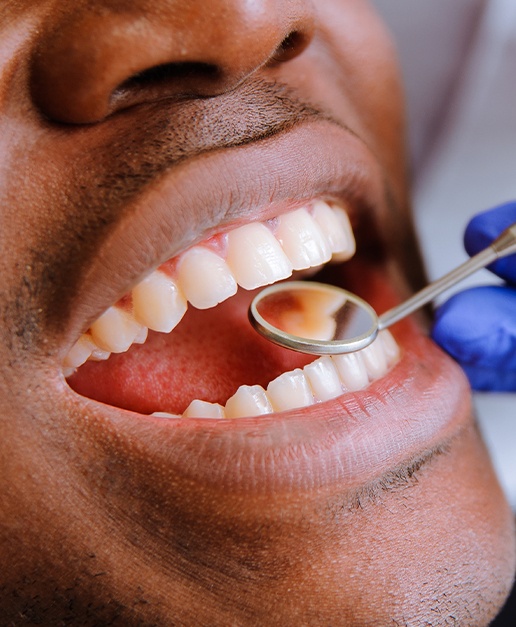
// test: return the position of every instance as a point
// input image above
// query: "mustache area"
(111, 163)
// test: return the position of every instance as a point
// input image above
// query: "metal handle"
(503, 245)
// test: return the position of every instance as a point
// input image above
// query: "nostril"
(188, 72)
(167, 80)
(293, 44)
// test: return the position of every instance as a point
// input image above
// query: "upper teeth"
(252, 256)
(249, 256)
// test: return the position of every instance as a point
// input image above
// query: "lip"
(243, 184)
(350, 441)
(419, 406)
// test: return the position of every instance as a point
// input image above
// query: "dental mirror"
(321, 319)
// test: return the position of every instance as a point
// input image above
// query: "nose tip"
(92, 63)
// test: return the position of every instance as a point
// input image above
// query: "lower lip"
(350, 441)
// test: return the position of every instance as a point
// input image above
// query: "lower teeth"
(322, 380)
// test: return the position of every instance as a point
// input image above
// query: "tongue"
(207, 356)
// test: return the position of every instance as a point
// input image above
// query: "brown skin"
(101, 521)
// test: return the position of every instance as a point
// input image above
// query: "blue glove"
(477, 327)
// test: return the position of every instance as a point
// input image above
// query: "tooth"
(164, 414)
(352, 371)
(290, 391)
(248, 400)
(323, 378)
(255, 256)
(302, 239)
(390, 346)
(205, 278)
(203, 409)
(334, 223)
(115, 330)
(141, 336)
(158, 303)
(375, 360)
(79, 352)
(97, 354)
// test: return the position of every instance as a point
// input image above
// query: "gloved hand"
(477, 327)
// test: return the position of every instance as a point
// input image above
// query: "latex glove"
(477, 327)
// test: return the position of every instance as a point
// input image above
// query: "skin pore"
(131, 130)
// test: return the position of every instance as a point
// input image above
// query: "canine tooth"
(79, 353)
(302, 240)
(158, 303)
(248, 400)
(115, 330)
(390, 346)
(352, 371)
(290, 391)
(374, 360)
(203, 409)
(334, 223)
(323, 378)
(256, 257)
(205, 278)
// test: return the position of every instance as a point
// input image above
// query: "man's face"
(132, 132)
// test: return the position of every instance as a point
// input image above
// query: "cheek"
(443, 546)
(368, 73)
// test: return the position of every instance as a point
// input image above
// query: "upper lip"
(216, 191)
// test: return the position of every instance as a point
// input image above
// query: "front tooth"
(255, 256)
(290, 391)
(375, 360)
(334, 223)
(323, 378)
(203, 409)
(158, 303)
(115, 330)
(352, 371)
(205, 278)
(248, 400)
(302, 239)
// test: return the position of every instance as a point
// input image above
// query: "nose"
(106, 55)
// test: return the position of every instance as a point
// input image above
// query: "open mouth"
(179, 344)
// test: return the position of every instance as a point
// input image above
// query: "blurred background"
(458, 59)
(459, 64)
